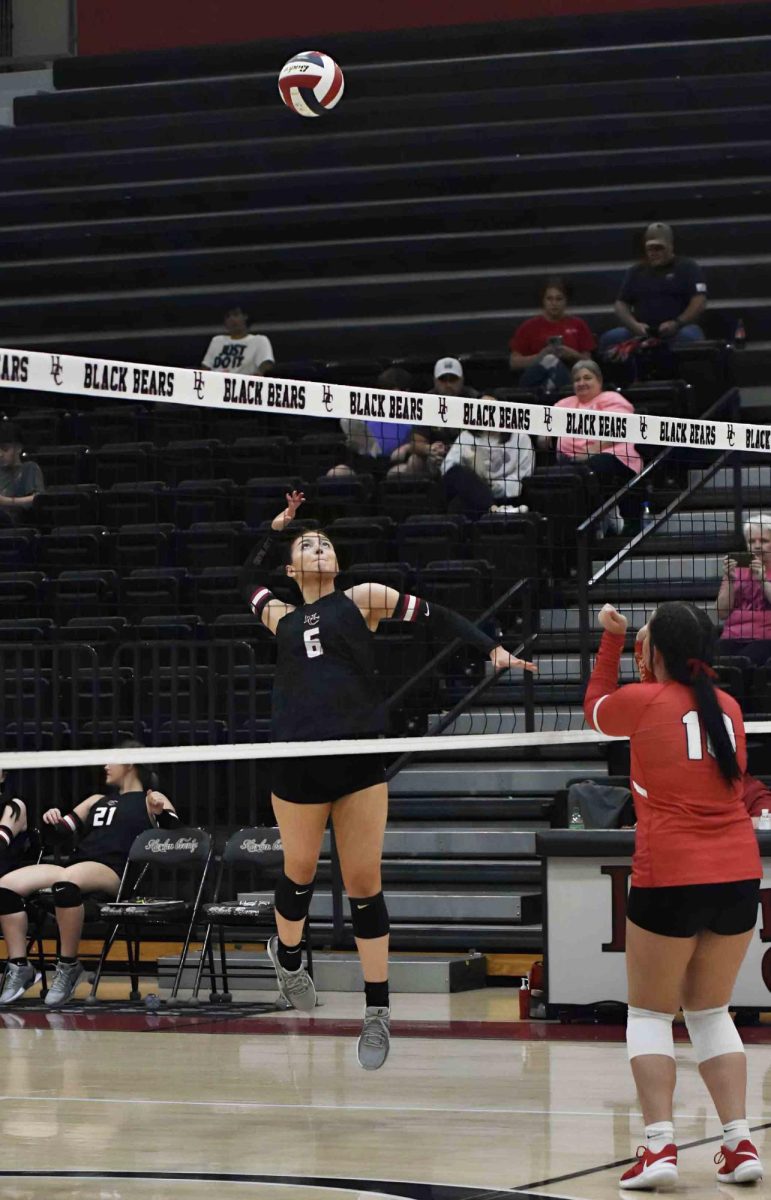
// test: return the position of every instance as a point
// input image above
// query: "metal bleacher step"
(510, 780)
(341, 972)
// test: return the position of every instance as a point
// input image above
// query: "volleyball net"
(120, 606)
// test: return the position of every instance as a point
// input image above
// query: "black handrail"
(584, 582)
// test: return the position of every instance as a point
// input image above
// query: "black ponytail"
(684, 636)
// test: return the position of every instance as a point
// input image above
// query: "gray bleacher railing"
(587, 581)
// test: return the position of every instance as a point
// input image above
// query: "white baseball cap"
(448, 366)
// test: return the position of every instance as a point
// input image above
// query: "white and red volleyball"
(311, 83)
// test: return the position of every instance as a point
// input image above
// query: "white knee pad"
(649, 1032)
(712, 1032)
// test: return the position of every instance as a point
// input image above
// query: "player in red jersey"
(695, 877)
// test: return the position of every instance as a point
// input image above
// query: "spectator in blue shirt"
(662, 296)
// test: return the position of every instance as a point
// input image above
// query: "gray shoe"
(67, 976)
(375, 1039)
(295, 986)
(19, 978)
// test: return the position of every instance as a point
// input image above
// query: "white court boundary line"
(376, 1108)
(71, 375)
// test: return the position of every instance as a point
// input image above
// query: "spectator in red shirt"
(544, 348)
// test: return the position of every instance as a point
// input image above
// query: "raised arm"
(265, 606)
(608, 708)
(376, 603)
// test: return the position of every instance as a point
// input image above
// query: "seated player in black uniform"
(325, 687)
(15, 843)
(103, 827)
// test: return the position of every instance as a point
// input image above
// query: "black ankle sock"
(21, 961)
(376, 994)
(65, 958)
(290, 957)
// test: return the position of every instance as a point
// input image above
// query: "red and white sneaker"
(741, 1165)
(652, 1170)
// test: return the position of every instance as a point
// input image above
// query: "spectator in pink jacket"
(744, 599)
(614, 463)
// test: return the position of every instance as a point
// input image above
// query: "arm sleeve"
(67, 831)
(756, 795)
(254, 567)
(608, 708)
(443, 622)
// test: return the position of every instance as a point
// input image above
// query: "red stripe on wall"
(110, 26)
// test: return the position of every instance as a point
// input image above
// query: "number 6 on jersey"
(313, 646)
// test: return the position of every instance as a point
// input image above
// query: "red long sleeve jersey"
(692, 826)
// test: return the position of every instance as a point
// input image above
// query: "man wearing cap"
(20, 481)
(662, 296)
(448, 380)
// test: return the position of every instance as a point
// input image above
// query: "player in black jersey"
(15, 843)
(103, 827)
(325, 688)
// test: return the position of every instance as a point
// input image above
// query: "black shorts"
(116, 862)
(324, 779)
(726, 908)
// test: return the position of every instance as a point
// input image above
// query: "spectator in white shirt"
(483, 471)
(238, 350)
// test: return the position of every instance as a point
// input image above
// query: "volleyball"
(311, 83)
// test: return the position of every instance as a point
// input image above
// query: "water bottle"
(576, 820)
(765, 820)
(646, 516)
(740, 335)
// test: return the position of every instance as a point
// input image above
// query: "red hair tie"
(698, 667)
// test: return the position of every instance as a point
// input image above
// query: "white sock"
(735, 1132)
(659, 1135)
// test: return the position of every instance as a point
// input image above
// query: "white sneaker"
(295, 986)
(19, 978)
(509, 508)
(375, 1039)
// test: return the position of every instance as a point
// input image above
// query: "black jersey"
(325, 684)
(112, 825)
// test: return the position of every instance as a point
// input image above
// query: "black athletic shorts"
(725, 908)
(116, 862)
(323, 780)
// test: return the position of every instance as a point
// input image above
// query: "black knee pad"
(293, 899)
(10, 902)
(67, 895)
(369, 916)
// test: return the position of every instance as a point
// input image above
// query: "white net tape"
(96, 377)
(468, 743)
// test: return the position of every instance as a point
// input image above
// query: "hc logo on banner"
(198, 385)
(327, 398)
(56, 370)
(443, 410)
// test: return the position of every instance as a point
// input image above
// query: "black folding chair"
(177, 860)
(251, 860)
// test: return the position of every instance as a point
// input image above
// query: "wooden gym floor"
(471, 1105)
